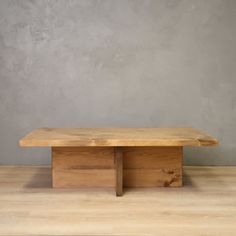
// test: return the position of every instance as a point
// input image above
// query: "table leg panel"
(153, 166)
(75, 167)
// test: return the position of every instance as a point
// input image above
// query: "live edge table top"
(105, 137)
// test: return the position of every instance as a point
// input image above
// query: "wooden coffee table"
(117, 157)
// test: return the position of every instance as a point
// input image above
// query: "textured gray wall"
(118, 63)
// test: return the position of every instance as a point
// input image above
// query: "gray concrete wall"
(118, 64)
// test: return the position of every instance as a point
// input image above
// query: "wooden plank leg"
(76, 167)
(118, 154)
(152, 166)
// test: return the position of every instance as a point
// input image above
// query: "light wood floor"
(206, 205)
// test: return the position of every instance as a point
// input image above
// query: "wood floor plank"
(206, 205)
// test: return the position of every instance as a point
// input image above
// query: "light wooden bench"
(117, 157)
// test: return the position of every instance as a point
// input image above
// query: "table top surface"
(117, 137)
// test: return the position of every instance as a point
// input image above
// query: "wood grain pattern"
(83, 157)
(75, 167)
(153, 166)
(117, 137)
(80, 178)
(206, 205)
(119, 170)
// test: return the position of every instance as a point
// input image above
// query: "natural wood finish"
(117, 137)
(152, 157)
(119, 170)
(74, 167)
(83, 178)
(153, 166)
(83, 157)
(206, 205)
